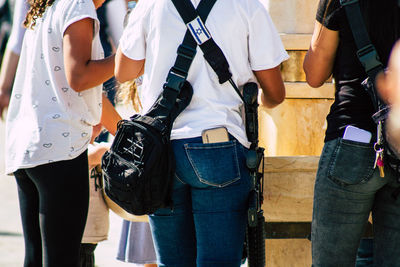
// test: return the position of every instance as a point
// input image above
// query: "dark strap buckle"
(156, 123)
(381, 114)
(186, 52)
(175, 79)
(369, 58)
(177, 75)
(347, 2)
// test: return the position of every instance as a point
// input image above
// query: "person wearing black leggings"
(56, 101)
(54, 204)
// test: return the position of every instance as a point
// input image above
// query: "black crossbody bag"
(139, 167)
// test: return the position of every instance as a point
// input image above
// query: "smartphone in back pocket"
(215, 135)
(356, 134)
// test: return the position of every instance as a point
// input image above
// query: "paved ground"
(11, 239)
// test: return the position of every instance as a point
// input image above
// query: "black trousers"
(54, 200)
(87, 255)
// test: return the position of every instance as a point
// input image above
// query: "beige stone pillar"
(293, 135)
(293, 16)
(298, 125)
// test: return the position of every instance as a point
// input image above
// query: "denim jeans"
(347, 188)
(206, 226)
(365, 253)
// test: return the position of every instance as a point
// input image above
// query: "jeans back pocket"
(214, 164)
(352, 162)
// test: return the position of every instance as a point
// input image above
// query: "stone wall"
(297, 126)
(293, 135)
(293, 16)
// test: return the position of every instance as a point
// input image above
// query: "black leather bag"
(139, 167)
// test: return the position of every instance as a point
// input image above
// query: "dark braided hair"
(36, 10)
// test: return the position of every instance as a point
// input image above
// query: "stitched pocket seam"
(364, 177)
(202, 180)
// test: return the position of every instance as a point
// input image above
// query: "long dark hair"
(36, 10)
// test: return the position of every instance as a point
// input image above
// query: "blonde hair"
(128, 95)
(36, 10)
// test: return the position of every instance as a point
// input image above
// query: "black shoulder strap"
(187, 50)
(366, 51)
(185, 55)
(198, 34)
(194, 20)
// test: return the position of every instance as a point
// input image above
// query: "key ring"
(378, 150)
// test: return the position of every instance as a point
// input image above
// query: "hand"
(4, 101)
(389, 83)
(96, 152)
(96, 131)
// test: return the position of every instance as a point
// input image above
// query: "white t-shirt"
(115, 14)
(14, 43)
(47, 120)
(244, 31)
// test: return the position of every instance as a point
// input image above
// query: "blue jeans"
(347, 188)
(207, 224)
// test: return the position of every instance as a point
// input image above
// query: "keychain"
(378, 147)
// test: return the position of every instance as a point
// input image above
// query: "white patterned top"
(47, 120)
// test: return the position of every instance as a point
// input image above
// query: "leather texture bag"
(139, 167)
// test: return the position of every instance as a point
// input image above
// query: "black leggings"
(54, 200)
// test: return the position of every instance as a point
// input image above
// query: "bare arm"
(81, 71)
(109, 116)
(318, 63)
(7, 75)
(127, 69)
(389, 89)
(273, 89)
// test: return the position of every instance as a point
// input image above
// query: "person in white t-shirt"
(11, 54)
(206, 226)
(56, 101)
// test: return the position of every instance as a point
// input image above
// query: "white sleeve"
(76, 11)
(115, 13)
(133, 40)
(18, 30)
(266, 50)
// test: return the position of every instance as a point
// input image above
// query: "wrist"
(5, 90)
